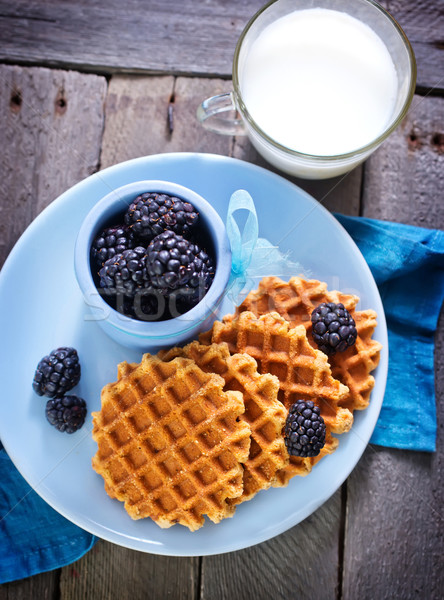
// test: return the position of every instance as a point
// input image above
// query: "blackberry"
(57, 373)
(174, 264)
(112, 241)
(182, 300)
(152, 213)
(147, 304)
(125, 272)
(67, 414)
(334, 329)
(304, 432)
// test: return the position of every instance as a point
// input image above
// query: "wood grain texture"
(136, 117)
(116, 573)
(189, 36)
(168, 36)
(404, 179)
(39, 587)
(423, 24)
(300, 563)
(394, 543)
(138, 122)
(51, 125)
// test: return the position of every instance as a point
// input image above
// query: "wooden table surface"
(86, 84)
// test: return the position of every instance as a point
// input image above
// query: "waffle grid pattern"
(295, 302)
(170, 444)
(353, 367)
(303, 373)
(264, 413)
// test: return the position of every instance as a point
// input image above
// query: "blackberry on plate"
(334, 329)
(125, 272)
(67, 414)
(304, 432)
(174, 264)
(57, 373)
(112, 241)
(152, 213)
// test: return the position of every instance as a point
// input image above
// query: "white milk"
(320, 82)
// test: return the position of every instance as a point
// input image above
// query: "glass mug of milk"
(318, 84)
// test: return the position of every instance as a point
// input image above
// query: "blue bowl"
(151, 335)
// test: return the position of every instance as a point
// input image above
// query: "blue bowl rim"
(101, 212)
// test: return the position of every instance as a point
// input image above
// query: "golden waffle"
(295, 302)
(263, 412)
(303, 373)
(170, 442)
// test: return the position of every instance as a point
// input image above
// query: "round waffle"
(170, 442)
(264, 413)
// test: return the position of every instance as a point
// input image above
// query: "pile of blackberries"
(150, 266)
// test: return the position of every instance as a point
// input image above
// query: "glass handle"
(219, 114)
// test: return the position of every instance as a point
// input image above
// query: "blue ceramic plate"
(41, 308)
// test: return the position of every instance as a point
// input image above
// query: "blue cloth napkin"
(407, 263)
(33, 537)
(408, 266)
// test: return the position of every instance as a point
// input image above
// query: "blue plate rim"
(289, 521)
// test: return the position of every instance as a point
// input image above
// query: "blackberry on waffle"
(303, 372)
(295, 301)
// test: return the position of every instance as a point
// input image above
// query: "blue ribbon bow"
(252, 257)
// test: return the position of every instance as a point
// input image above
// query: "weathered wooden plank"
(155, 35)
(300, 563)
(51, 124)
(188, 132)
(112, 572)
(423, 24)
(150, 115)
(168, 36)
(404, 179)
(394, 544)
(43, 586)
(136, 117)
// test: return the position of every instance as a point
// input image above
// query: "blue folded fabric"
(33, 537)
(407, 263)
(408, 266)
